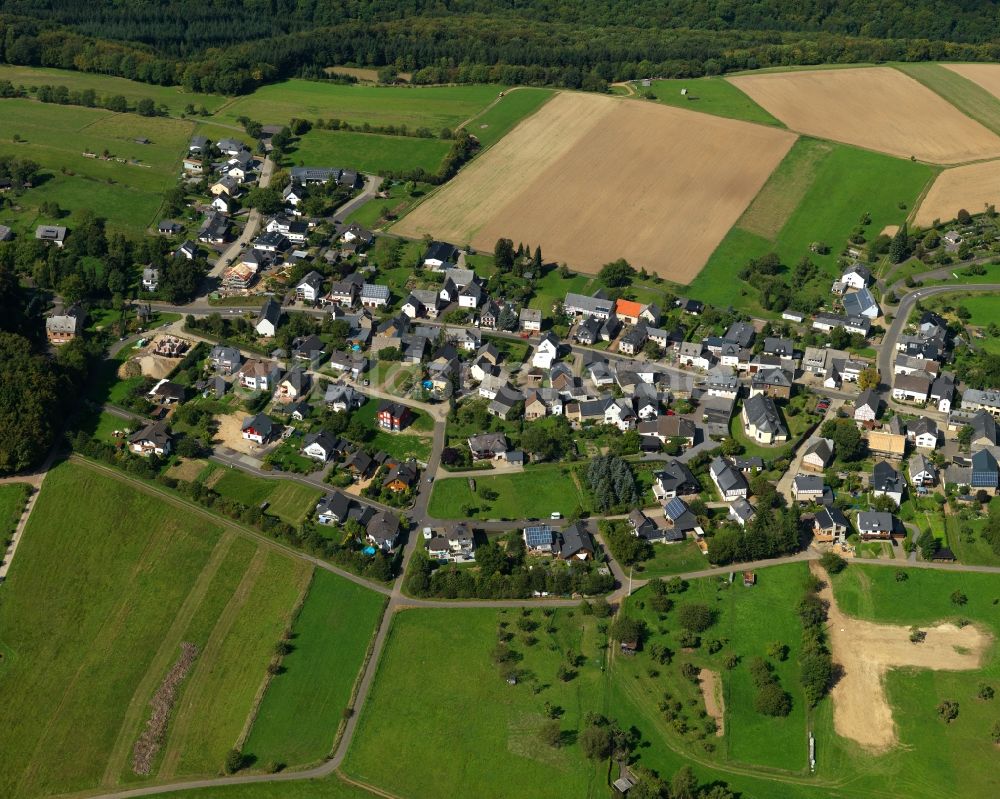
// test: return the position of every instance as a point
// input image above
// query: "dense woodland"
(231, 46)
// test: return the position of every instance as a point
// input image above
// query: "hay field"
(986, 76)
(972, 187)
(878, 108)
(592, 179)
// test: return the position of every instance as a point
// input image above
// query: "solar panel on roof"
(674, 508)
(538, 536)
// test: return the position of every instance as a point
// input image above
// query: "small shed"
(629, 647)
(749, 579)
(944, 555)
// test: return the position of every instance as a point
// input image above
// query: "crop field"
(710, 96)
(93, 615)
(987, 76)
(436, 691)
(972, 187)
(368, 152)
(671, 184)
(966, 95)
(532, 493)
(433, 107)
(877, 108)
(287, 499)
(303, 706)
(827, 208)
(127, 194)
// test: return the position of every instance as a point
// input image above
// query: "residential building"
(153, 439)
(867, 406)
(582, 305)
(488, 446)
(393, 416)
(761, 420)
(440, 255)
(530, 319)
(310, 288)
(383, 531)
(774, 383)
(320, 446)
(546, 352)
(340, 397)
(808, 487)
(374, 295)
(818, 455)
(150, 278)
(856, 276)
(670, 428)
(729, 481)
(64, 326)
(268, 318)
(225, 359)
(887, 482)
(257, 428)
(576, 543)
(741, 511)
(453, 545)
(830, 525)
(923, 432)
(878, 525)
(911, 387)
(890, 445)
(259, 375)
(985, 472)
(51, 234)
(675, 479)
(922, 471)
(861, 303)
(976, 400)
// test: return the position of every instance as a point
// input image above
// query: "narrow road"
(371, 187)
(249, 230)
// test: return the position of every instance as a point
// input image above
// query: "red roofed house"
(629, 311)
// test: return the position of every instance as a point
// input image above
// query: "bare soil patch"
(715, 706)
(878, 108)
(592, 179)
(187, 469)
(865, 651)
(890, 230)
(230, 434)
(971, 187)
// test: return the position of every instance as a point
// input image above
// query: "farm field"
(966, 95)
(986, 76)
(369, 152)
(532, 493)
(132, 577)
(328, 788)
(436, 667)
(828, 210)
(303, 706)
(288, 500)
(173, 97)
(433, 107)
(127, 194)
(496, 121)
(972, 187)
(711, 96)
(878, 108)
(672, 204)
(13, 497)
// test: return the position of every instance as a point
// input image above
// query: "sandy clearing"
(711, 691)
(592, 179)
(890, 230)
(865, 651)
(972, 187)
(878, 108)
(230, 434)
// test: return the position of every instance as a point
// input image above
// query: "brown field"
(972, 187)
(878, 108)
(986, 75)
(592, 179)
(715, 703)
(865, 651)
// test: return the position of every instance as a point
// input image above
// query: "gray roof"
(887, 479)
(763, 414)
(728, 478)
(829, 516)
(270, 311)
(808, 482)
(374, 291)
(876, 522)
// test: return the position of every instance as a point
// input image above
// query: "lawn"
(288, 500)
(303, 706)
(968, 97)
(496, 121)
(369, 152)
(173, 97)
(433, 107)
(533, 493)
(844, 183)
(712, 96)
(458, 729)
(399, 202)
(672, 559)
(85, 610)
(329, 788)
(552, 288)
(13, 498)
(128, 194)
(963, 536)
(984, 309)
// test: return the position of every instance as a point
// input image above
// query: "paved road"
(249, 230)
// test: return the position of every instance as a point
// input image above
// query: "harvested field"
(715, 706)
(972, 187)
(669, 183)
(866, 650)
(878, 108)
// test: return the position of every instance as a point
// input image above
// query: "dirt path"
(865, 651)
(715, 705)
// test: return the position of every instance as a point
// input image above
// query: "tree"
(503, 255)
(234, 761)
(550, 734)
(846, 438)
(772, 700)
(963, 217)
(958, 598)
(145, 107)
(868, 378)
(624, 628)
(595, 741)
(832, 562)
(985, 691)
(816, 672)
(995, 732)
(948, 711)
(617, 273)
(29, 403)
(695, 617)
(684, 785)
(899, 249)
(927, 544)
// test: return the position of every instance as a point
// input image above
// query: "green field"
(843, 183)
(288, 500)
(425, 106)
(369, 152)
(92, 617)
(984, 309)
(13, 497)
(173, 97)
(711, 96)
(494, 123)
(303, 706)
(329, 788)
(127, 194)
(533, 493)
(458, 729)
(398, 202)
(672, 559)
(968, 97)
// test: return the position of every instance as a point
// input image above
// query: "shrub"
(234, 761)
(595, 741)
(985, 691)
(833, 563)
(948, 711)
(771, 700)
(695, 617)
(958, 598)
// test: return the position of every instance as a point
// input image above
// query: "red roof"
(628, 308)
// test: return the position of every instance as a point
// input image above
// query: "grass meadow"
(304, 704)
(968, 97)
(670, 559)
(288, 500)
(534, 492)
(13, 498)
(710, 96)
(369, 152)
(494, 123)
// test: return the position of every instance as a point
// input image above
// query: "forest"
(585, 44)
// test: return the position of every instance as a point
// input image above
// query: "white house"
(258, 375)
(730, 482)
(546, 352)
(267, 321)
(319, 446)
(856, 276)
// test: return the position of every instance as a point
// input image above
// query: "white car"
(555, 515)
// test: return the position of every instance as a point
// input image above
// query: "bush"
(595, 741)
(985, 691)
(948, 711)
(958, 598)
(234, 761)
(833, 563)
(550, 733)
(695, 617)
(771, 700)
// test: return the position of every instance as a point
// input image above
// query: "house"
(856, 276)
(588, 331)
(912, 387)
(984, 430)
(166, 393)
(225, 359)
(223, 204)
(383, 530)
(678, 516)
(783, 348)
(576, 543)
(633, 341)
(890, 445)
(197, 144)
(942, 390)
(904, 364)
(793, 316)
(808, 487)
(355, 232)
(294, 384)
(65, 326)
(153, 439)
(539, 539)
(866, 406)
(333, 508)
(310, 287)
(976, 400)
(454, 545)
(360, 464)
(259, 375)
(670, 428)
(440, 255)
(693, 353)
(675, 480)
(150, 278)
(308, 348)
(227, 186)
(187, 250)
(267, 319)
(741, 333)
(761, 420)
(729, 481)
(506, 402)
(470, 296)
(401, 477)
(830, 525)
(985, 472)
(887, 482)
(922, 471)
(619, 412)
(688, 306)
(861, 303)
(340, 397)
(304, 175)
(257, 428)
(546, 352)
(741, 511)
(272, 241)
(582, 305)
(230, 146)
(877, 525)
(320, 446)
(923, 433)
(393, 416)
(818, 455)
(530, 319)
(722, 382)
(488, 446)
(374, 295)
(774, 383)
(51, 234)
(168, 227)
(345, 292)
